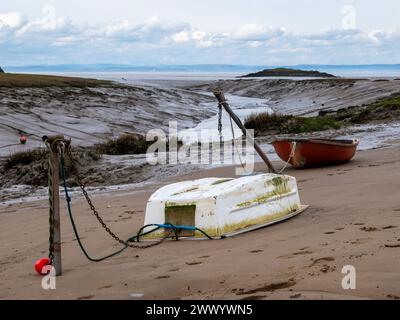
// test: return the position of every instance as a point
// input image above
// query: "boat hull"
(305, 153)
(224, 207)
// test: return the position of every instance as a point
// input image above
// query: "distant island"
(287, 72)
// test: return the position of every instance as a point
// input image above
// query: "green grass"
(280, 124)
(124, 144)
(313, 124)
(388, 108)
(12, 80)
(25, 158)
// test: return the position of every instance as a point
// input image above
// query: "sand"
(353, 219)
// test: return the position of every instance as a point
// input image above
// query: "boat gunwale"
(341, 143)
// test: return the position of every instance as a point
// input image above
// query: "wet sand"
(354, 219)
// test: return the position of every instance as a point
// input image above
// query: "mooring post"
(222, 101)
(54, 199)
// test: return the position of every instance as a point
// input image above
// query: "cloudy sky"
(154, 32)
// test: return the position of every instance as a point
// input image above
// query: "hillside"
(13, 80)
(287, 72)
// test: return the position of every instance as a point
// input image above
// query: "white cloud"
(49, 22)
(11, 20)
(181, 37)
(256, 32)
(155, 40)
(152, 29)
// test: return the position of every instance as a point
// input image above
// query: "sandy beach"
(353, 219)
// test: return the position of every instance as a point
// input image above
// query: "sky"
(159, 32)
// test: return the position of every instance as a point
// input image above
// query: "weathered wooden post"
(53, 143)
(222, 101)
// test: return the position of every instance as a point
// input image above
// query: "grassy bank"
(281, 124)
(381, 110)
(30, 167)
(11, 80)
(386, 109)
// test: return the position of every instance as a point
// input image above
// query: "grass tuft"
(25, 158)
(124, 144)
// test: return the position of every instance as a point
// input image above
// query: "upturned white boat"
(223, 207)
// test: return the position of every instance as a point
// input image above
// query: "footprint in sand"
(105, 287)
(392, 245)
(254, 298)
(329, 259)
(327, 268)
(299, 253)
(132, 212)
(389, 227)
(269, 287)
(194, 263)
(369, 229)
(360, 241)
(85, 297)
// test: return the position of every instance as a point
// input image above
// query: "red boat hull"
(302, 153)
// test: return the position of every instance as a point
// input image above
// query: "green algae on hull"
(228, 228)
(221, 181)
(280, 188)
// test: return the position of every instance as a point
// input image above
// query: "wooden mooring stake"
(54, 199)
(222, 101)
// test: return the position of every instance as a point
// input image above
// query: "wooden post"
(221, 99)
(54, 200)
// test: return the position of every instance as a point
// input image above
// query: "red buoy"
(23, 139)
(40, 264)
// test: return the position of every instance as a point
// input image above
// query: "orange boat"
(302, 153)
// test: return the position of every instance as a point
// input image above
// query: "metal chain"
(220, 123)
(97, 215)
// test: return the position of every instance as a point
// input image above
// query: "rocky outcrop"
(1, 70)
